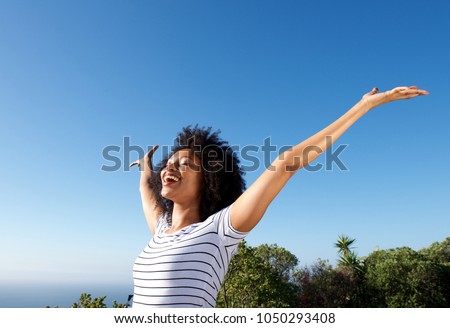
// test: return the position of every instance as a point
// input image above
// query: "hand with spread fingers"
(146, 161)
(374, 98)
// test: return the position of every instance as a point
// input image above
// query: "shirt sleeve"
(229, 236)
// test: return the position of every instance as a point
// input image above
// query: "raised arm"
(151, 212)
(249, 208)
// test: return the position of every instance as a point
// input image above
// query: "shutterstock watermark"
(252, 157)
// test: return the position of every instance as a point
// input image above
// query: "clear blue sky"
(78, 76)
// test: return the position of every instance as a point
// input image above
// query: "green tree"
(259, 277)
(279, 259)
(344, 244)
(348, 259)
(86, 301)
(439, 252)
(402, 277)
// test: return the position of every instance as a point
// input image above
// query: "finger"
(152, 151)
(411, 93)
(134, 163)
(420, 92)
(372, 92)
(400, 89)
(150, 155)
(410, 89)
(406, 92)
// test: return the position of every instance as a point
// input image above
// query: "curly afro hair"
(222, 176)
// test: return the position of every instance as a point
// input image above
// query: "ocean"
(61, 295)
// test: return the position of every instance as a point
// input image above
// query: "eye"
(184, 165)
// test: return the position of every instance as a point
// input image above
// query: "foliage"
(119, 305)
(259, 277)
(266, 276)
(440, 254)
(402, 277)
(279, 259)
(322, 286)
(344, 244)
(348, 259)
(86, 301)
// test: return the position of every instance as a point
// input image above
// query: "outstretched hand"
(145, 163)
(374, 98)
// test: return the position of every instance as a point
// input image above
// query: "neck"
(183, 216)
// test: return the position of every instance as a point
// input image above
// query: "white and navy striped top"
(185, 268)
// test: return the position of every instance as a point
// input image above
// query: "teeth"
(172, 177)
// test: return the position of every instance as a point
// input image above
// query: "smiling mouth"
(171, 178)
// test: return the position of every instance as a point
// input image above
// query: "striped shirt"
(185, 268)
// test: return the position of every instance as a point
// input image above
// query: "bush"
(322, 286)
(403, 277)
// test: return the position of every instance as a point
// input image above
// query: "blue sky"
(79, 76)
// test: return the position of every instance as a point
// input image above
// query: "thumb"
(374, 91)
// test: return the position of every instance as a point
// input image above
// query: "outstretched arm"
(249, 208)
(151, 212)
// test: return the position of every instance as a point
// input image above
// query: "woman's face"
(182, 179)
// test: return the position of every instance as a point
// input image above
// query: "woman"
(198, 213)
